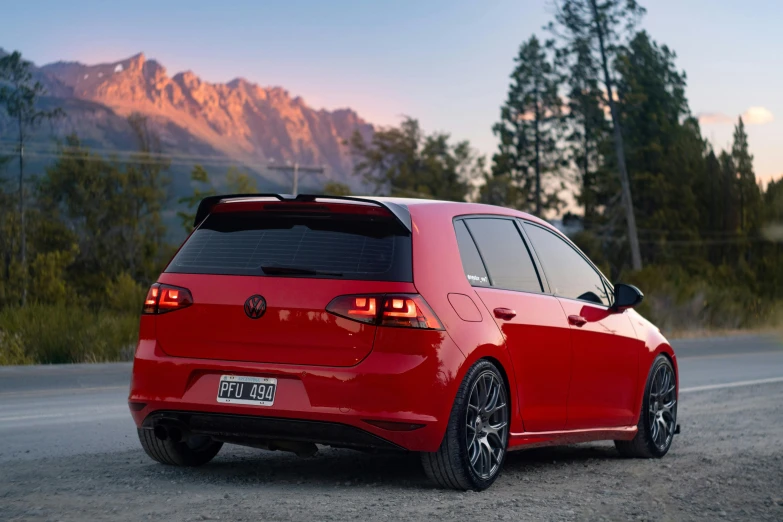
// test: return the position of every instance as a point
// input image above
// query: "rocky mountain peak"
(238, 119)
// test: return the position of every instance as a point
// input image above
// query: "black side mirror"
(626, 296)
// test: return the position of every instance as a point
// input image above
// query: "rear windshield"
(331, 246)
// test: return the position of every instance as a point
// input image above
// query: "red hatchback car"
(457, 330)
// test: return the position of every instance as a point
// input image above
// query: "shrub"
(12, 350)
(58, 333)
(678, 301)
(124, 294)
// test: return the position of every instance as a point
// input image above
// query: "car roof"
(402, 208)
(459, 208)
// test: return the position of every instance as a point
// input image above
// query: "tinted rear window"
(240, 243)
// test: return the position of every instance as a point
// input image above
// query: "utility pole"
(296, 168)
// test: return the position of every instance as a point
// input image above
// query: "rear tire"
(658, 418)
(191, 453)
(473, 449)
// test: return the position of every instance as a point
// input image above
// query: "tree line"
(596, 110)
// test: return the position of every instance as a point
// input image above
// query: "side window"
(505, 254)
(471, 260)
(569, 275)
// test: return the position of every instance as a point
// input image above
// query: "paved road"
(68, 451)
(64, 410)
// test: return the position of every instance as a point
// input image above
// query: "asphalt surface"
(70, 425)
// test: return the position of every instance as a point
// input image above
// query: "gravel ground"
(728, 463)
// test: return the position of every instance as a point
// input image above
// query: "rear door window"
(505, 255)
(568, 273)
(337, 246)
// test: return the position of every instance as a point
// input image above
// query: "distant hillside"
(237, 123)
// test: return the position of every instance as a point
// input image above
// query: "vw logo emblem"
(255, 306)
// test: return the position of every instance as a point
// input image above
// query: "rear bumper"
(253, 430)
(405, 380)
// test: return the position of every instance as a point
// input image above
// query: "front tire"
(473, 449)
(195, 452)
(658, 418)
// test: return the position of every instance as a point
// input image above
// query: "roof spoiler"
(400, 212)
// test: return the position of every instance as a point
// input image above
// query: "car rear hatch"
(297, 256)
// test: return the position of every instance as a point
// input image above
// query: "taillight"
(403, 310)
(166, 298)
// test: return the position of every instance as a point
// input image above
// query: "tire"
(487, 439)
(655, 430)
(178, 453)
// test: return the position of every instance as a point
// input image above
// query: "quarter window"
(471, 260)
(568, 273)
(505, 254)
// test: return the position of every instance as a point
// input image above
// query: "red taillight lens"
(362, 308)
(166, 298)
(409, 311)
(404, 310)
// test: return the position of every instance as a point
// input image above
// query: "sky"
(444, 62)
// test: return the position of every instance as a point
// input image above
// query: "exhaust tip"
(161, 433)
(175, 434)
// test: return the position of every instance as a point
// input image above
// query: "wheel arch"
(499, 356)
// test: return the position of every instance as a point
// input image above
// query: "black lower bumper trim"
(257, 431)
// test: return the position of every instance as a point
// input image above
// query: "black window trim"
(525, 241)
(609, 288)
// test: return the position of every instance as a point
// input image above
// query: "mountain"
(237, 123)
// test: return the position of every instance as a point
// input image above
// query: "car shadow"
(340, 468)
(543, 457)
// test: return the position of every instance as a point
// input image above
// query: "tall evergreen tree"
(664, 148)
(19, 96)
(530, 127)
(602, 26)
(587, 125)
(147, 183)
(748, 191)
(202, 188)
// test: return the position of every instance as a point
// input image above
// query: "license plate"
(238, 389)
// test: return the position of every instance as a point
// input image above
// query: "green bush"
(12, 350)
(51, 334)
(678, 301)
(125, 295)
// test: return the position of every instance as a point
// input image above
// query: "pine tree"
(600, 26)
(202, 188)
(664, 147)
(19, 96)
(587, 126)
(749, 194)
(529, 157)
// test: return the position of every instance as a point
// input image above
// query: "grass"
(684, 305)
(53, 334)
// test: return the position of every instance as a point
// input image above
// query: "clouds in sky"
(752, 116)
(758, 116)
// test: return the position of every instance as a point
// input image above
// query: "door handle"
(576, 320)
(505, 313)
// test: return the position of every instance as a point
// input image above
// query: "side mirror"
(626, 296)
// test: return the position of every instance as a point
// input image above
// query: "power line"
(296, 169)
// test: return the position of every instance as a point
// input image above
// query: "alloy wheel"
(662, 414)
(487, 424)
